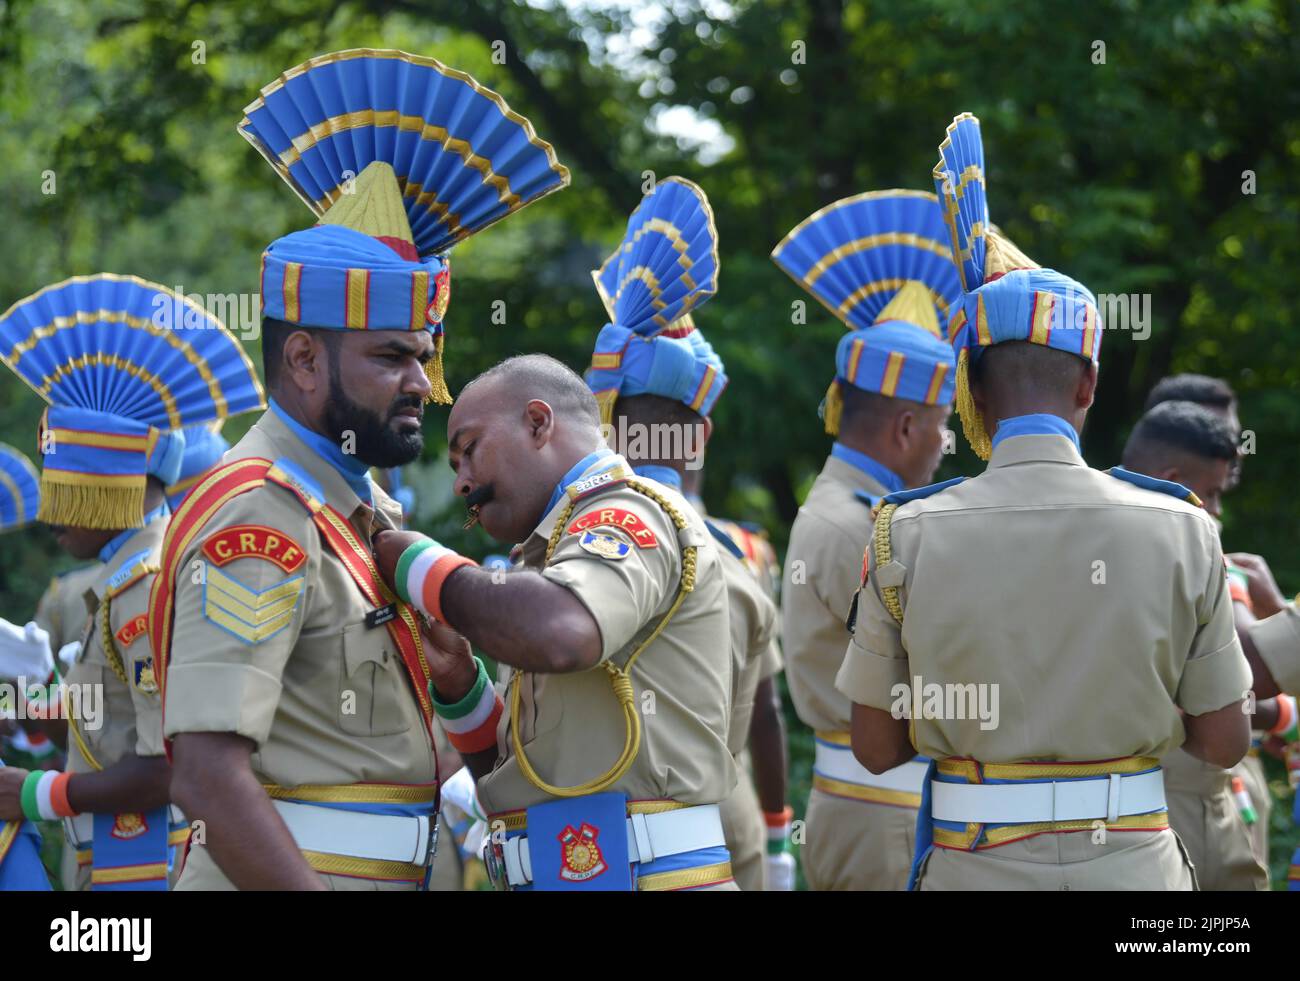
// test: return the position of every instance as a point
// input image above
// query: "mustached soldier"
(608, 769)
(1096, 603)
(296, 687)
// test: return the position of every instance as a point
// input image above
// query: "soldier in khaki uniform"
(1193, 446)
(666, 386)
(296, 687)
(61, 610)
(1217, 396)
(997, 614)
(112, 442)
(607, 771)
(887, 408)
(617, 627)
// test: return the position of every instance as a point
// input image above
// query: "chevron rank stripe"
(213, 493)
(248, 614)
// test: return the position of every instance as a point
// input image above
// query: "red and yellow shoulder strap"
(226, 483)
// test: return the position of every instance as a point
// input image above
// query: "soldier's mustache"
(474, 500)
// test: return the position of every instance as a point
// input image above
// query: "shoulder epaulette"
(607, 478)
(1169, 487)
(724, 539)
(870, 500)
(133, 569)
(293, 477)
(919, 493)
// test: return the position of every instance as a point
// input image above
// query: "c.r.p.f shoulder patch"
(620, 518)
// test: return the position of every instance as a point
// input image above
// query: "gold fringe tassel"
(433, 371)
(972, 423)
(79, 505)
(833, 408)
(605, 401)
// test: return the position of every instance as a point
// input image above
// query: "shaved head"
(513, 434)
(540, 376)
(1017, 378)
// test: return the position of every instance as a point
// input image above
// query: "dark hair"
(1029, 368)
(1201, 389)
(866, 413)
(542, 376)
(656, 410)
(275, 333)
(1179, 427)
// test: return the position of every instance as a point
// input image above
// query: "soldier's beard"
(376, 442)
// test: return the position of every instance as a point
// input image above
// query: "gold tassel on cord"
(605, 401)
(833, 408)
(433, 371)
(80, 503)
(972, 423)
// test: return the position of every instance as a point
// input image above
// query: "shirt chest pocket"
(374, 694)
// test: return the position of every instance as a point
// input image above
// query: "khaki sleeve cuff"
(234, 698)
(869, 679)
(1278, 642)
(1214, 680)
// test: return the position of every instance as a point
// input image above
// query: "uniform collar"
(128, 548)
(576, 472)
(1035, 424)
(1036, 448)
(853, 465)
(353, 471)
(339, 493)
(534, 549)
(122, 537)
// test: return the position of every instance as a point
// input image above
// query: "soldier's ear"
(1083, 395)
(304, 360)
(540, 418)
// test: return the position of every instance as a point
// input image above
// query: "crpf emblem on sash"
(580, 854)
(128, 825)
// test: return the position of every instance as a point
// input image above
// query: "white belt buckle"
(1112, 799)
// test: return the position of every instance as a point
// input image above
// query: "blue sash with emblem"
(131, 851)
(580, 844)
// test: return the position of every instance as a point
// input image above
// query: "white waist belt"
(1059, 800)
(839, 763)
(649, 836)
(356, 834)
(79, 830)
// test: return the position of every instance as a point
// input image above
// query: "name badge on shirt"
(379, 617)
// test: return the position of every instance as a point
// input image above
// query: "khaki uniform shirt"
(822, 570)
(131, 717)
(621, 555)
(1097, 608)
(61, 610)
(1278, 642)
(323, 695)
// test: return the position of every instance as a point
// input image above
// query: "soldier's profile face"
(494, 456)
(82, 543)
(927, 451)
(1208, 480)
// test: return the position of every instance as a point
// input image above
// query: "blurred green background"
(1167, 169)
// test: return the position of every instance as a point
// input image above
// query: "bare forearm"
(133, 783)
(767, 747)
(241, 829)
(547, 628)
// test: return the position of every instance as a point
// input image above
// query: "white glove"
(458, 792)
(68, 654)
(780, 872)
(24, 651)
